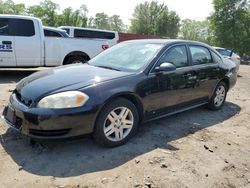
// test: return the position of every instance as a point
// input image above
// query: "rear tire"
(219, 97)
(116, 124)
(75, 59)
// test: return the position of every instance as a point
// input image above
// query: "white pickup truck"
(24, 42)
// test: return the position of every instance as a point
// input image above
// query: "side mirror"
(165, 67)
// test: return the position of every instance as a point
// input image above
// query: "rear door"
(7, 53)
(206, 71)
(28, 46)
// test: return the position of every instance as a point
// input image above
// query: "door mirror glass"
(165, 67)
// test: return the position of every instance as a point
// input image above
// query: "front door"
(7, 54)
(169, 91)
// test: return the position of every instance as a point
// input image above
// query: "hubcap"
(118, 124)
(220, 96)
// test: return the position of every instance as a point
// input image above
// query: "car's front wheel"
(116, 123)
(218, 97)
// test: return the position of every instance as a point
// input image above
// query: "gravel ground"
(197, 148)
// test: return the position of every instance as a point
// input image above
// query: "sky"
(191, 9)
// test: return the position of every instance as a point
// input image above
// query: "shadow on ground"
(76, 157)
(8, 76)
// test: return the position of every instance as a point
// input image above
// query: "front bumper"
(49, 123)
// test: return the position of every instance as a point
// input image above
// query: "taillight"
(105, 47)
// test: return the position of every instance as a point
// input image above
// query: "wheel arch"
(226, 81)
(75, 53)
(126, 95)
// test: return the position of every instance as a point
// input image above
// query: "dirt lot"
(198, 148)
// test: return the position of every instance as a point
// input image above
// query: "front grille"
(49, 133)
(21, 99)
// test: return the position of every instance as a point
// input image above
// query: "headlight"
(69, 99)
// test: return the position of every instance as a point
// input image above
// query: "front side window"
(176, 55)
(200, 55)
(4, 27)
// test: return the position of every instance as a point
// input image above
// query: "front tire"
(219, 97)
(116, 123)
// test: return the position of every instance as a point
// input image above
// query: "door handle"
(6, 42)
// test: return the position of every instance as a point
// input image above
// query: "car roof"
(53, 29)
(18, 17)
(84, 28)
(167, 41)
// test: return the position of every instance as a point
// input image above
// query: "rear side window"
(4, 27)
(22, 27)
(200, 55)
(81, 33)
(216, 58)
(49, 33)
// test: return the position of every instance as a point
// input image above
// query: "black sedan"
(130, 83)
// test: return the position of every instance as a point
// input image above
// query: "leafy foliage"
(196, 30)
(155, 19)
(231, 24)
(9, 7)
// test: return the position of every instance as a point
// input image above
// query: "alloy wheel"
(220, 96)
(118, 124)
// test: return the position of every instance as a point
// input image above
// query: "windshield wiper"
(106, 67)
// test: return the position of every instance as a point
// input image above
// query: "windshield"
(129, 57)
(224, 52)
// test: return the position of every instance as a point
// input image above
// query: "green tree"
(9, 7)
(46, 11)
(196, 30)
(116, 23)
(155, 19)
(70, 17)
(231, 24)
(101, 21)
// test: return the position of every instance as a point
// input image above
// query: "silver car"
(229, 54)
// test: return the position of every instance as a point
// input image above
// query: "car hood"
(70, 77)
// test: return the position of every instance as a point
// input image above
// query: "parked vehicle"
(113, 37)
(90, 33)
(23, 44)
(130, 83)
(230, 55)
(55, 32)
(245, 60)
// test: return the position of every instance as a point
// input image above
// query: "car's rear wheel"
(116, 123)
(219, 97)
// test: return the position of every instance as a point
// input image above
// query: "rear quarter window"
(216, 58)
(22, 27)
